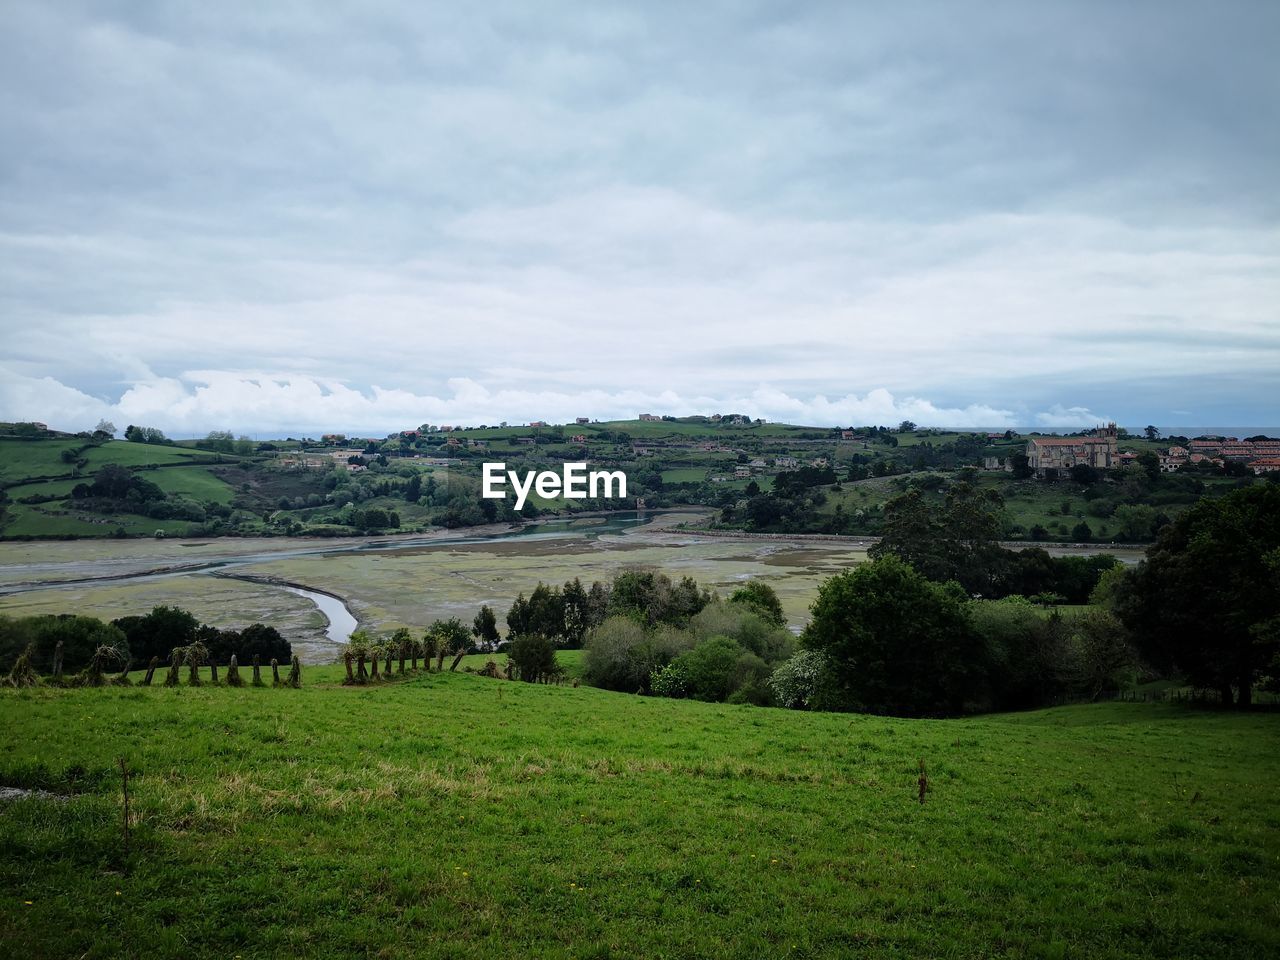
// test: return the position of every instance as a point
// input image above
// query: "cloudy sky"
(294, 217)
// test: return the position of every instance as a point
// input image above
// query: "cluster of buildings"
(1262, 456)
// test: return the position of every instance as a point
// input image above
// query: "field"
(455, 816)
(35, 468)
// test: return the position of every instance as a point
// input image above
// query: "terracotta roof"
(1066, 441)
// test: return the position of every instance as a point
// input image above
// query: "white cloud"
(200, 401)
(1070, 418)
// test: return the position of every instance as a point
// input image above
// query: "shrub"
(898, 643)
(761, 598)
(717, 668)
(534, 658)
(622, 655)
(744, 625)
(796, 683)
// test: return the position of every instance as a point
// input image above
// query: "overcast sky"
(296, 217)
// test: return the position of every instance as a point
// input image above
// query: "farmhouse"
(1062, 453)
(649, 418)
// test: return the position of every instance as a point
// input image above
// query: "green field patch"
(451, 815)
(20, 459)
(196, 483)
(134, 455)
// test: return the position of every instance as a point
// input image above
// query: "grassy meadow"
(456, 816)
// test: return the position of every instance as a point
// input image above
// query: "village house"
(1060, 454)
(537, 423)
(741, 473)
(582, 420)
(649, 418)
(786, 463)
(1266, 465)
(1175, 458)
(757, 464)
(819, 462)
(996, 463)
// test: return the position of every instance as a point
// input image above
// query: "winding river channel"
(67, 574)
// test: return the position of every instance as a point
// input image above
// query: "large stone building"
(1060, 454)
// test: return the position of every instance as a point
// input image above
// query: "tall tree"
(1206, 601)
(956, 539)
(897, 643)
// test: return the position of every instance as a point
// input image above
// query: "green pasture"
(449, 815)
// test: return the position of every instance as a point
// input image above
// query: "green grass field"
(455, 816)
(194, 482)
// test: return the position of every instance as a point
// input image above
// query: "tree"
(906, 426)
(106, 428)
(622, 655)
(897, 643)
(158, 632)
(485, 628)
(413, 489)
(1020, 466)
(761, 598)
(1150, 464)
(449, 636)
(1082, 532)
(1151, 432)
(955, 540)
(534, 658)
(1206, 601)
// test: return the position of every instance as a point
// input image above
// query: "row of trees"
(565, 614)
(133, 639)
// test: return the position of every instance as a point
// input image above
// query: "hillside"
(758, 477)
(457, 816)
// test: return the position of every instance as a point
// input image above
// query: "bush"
(761, 598)
(743, 624)
(715, 669)
(898, 644)
(80, 637)
(622, 655)
(534, 658)
(1025, 654)
(797, 682)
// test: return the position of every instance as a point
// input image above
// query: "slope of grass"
(194, 482)
(20, 459)
(454, 816)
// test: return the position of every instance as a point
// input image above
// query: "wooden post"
(175, 663)
(346, 659)
(124, 786)
(151, 671)
(57, 663)
(387, 672)
(213, 671)
(233, 673)
(374, 659)
(295, 672)
(275, 672)
(257, 671)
